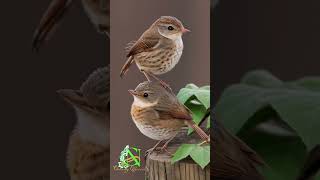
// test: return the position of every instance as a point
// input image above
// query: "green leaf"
(197, 100)
(194, 102)
(191, 86)
(202, 94)
(237, 104)
(182, 152)
(311, 83)
(186, 93)
(294, 105)
(261, 78)
(284, 155)
(198, 112)
(201, 155)
(297, 104)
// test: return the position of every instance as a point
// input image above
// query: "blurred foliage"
(280, 120)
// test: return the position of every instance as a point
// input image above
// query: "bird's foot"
(205, 142)
(150, 151)
(165, 149)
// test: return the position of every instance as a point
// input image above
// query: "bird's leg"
(146, 75)
(164, 84)
(164, 147)
(205, 142)
(152, 149)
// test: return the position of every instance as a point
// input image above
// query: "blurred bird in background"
(232, 158)
(89, 144)
(98, 12)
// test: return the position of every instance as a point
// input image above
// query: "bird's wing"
(180, 112)
(49, 21)
(129, 46)
(174, 111)
(146, 43)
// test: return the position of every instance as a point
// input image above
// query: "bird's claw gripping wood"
(164, 149)
(149, 151)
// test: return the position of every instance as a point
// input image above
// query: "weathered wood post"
(159, 166)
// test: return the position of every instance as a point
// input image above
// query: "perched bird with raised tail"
(159, 48)
(159, 115)
(97, 10)
(88, 151)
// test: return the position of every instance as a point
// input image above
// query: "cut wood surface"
(159, 166)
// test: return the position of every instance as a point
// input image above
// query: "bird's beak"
(71, 96)
(185, 30)
(133, 92)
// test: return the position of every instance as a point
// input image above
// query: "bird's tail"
(49, 22)
(199, 131)
(126, 66)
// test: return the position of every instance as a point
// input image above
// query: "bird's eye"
(145, 95)
(170, 28)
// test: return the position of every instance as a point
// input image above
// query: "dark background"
(282, 37)
(35, 122)
(129, 19)
(279, 36)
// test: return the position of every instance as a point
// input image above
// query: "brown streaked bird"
(158, 49)
(97, 10)
(88, 150)
(159, 115)
(233, 159)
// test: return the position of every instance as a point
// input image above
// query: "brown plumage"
(88, 150)
(87, 160)
(159, 48)
(49, 21)
(97, 10)
(158, 114)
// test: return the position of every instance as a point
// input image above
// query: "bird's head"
(170, 27)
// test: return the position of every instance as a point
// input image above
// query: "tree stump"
(159, 166)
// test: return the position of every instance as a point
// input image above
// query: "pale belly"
(156, 133)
